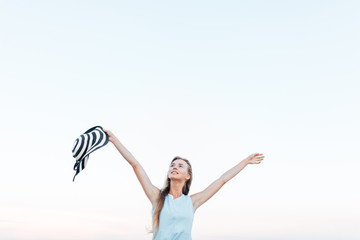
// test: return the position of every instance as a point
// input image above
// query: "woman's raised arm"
(150, 190)
(200, 198)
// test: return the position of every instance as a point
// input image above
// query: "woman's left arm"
(201, 197)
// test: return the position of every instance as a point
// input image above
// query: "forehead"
(179, 161)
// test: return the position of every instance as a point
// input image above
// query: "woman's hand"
(255, 158)
(112, 137)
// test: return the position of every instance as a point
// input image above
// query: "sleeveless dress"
(176, 218)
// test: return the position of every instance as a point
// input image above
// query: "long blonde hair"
(165, 191)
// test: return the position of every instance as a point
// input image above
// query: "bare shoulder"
(155, 197)
(200, 198)
(194, 196)
(195, 200)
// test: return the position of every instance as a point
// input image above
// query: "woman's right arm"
(150, 190)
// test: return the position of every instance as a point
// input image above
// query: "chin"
(172, 177)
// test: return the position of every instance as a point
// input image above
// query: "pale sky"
(210, 81)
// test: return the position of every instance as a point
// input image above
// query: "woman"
(173, 209)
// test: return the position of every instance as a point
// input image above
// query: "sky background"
(210, 81)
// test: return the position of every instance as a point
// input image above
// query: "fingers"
(259, 157)
(256, 158)
(109, 134)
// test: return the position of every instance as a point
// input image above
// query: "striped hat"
(88, 142)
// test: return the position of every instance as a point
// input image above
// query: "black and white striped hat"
(88, 142)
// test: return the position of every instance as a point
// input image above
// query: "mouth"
(174, 172)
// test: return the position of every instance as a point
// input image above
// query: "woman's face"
(178, 170)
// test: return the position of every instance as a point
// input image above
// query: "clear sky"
(211, 81)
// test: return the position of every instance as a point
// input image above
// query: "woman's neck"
(176, 189)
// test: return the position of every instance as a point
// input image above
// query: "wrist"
(246, 161)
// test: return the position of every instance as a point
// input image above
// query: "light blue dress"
(176, 218)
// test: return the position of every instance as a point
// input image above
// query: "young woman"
(173, 209)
